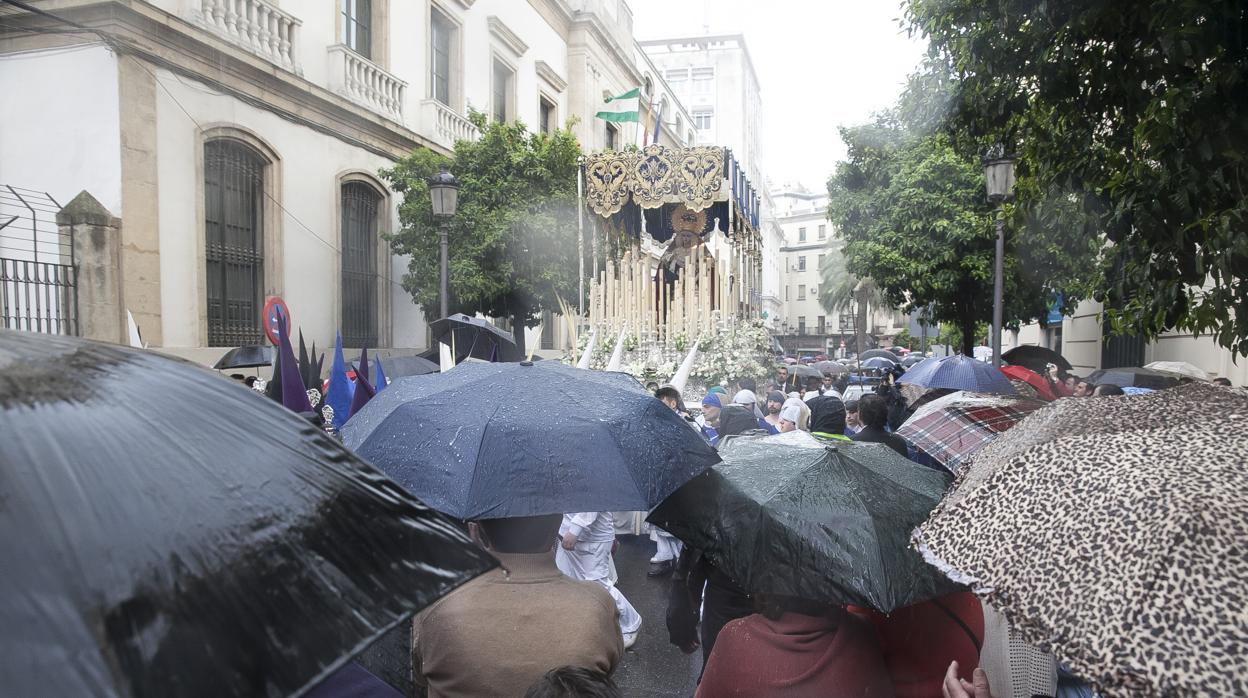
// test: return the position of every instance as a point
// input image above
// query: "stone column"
(96, 235)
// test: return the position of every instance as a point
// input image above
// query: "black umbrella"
(520, 439)
(474, 337)
(168, 533)
(911, 360)
(1137, 377)
(827, 524)
(1035, 358)
(878, 353)
(245, 357)
(804, 371)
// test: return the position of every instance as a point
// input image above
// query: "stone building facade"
(237, 144)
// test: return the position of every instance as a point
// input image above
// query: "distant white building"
(715, 78)
(239, 141)
(804, 325)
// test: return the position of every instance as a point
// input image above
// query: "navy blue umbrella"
(492, 440)
(959, 372)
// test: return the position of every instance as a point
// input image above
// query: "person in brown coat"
(501, 632)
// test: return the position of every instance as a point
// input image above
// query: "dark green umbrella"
(830, 523)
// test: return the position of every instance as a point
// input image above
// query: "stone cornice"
(151, 35)
(500, 31)
(547, 73)
(594, 27)
(556, 14)
(466, 4)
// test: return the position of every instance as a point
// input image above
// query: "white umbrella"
(983, 353)
(1181, 369)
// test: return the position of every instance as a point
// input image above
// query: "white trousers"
(591, 562)
(668, 546)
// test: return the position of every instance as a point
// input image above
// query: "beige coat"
(501, 632)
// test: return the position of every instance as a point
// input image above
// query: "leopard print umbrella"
(1113, 532)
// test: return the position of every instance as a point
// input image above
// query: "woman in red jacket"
(794, 648)
(919, 641)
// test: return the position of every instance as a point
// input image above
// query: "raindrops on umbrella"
(171, 533)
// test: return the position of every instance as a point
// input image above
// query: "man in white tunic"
(584, 552)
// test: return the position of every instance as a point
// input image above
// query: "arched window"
(361, 206)
(234, 238)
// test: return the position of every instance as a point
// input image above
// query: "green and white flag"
(625, 107)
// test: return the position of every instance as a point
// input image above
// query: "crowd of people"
(553, 620)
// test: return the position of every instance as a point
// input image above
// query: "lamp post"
(444, 192)
(999, 176)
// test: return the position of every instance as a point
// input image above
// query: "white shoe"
(630, 639)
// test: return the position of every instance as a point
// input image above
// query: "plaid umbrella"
(1110, 531)
(951, 428)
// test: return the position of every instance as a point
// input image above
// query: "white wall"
(59, 123)
(480, 47)
(310, 167)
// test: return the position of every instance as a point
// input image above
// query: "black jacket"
(876, 435)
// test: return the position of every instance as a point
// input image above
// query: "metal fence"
(38, 278)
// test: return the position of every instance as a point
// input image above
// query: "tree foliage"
(840, 290)
(914, 216)
(512, 242)
(1139, 115)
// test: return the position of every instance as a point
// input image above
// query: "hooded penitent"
(827, 415)
(735, 419)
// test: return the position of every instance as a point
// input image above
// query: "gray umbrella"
(829, 524)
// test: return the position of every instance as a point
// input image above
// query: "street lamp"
(999, 175)
(444, 192)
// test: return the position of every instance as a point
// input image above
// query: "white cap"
(745, 397)
(792, 413)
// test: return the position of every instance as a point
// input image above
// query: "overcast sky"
(822, 64)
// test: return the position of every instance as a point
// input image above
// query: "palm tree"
(839, 290)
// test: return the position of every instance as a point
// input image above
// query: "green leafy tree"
(841, 291)
(914, 217)
(513, 238)
(1140, 115)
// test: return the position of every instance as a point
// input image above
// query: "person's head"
(873, 411)
(842, 383)
(651, 387)
(745, 398)
(1071, 380)
(250, 381)
(238, 377)
(1083, 388)
(775, 400)
(711, 405)
(748, 384)
(1223, 381)
(735, 419)
(669, 396)
(827, 415)
(782, 374)
(518, 535)
(828, 381)
(1108, 389)
(574, 682)
(803, 412)
(790, 417)
(813, 384)
(851, 415)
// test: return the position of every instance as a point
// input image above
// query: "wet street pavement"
(653, 667)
